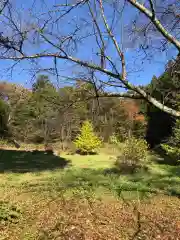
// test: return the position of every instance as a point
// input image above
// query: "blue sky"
(20, 75)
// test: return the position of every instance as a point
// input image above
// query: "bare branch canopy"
(61, 30)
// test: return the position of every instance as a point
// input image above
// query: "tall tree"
(4, 109)
(166, 88)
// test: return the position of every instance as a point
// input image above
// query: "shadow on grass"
(24, 161)
(174, 172)
(161, 157)
(112, 179)
(100, 181)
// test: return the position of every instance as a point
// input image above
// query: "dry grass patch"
(87, 218)
(81, 201)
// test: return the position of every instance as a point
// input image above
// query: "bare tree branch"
(152, 9)
(102, 48)
(50, 40)
(4, 4)
(121, 55)
(156, 22)
(129, 86)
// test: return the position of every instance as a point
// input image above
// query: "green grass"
(91, 161)
(84, 172)
(32, 181)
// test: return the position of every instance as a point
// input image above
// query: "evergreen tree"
(87, 142)
(172, 146)
(166, 89)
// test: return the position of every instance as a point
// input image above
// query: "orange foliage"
(132, 109)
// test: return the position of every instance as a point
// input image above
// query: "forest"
(89, 120)
(45, 114)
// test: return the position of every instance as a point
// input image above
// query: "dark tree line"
(166, 89)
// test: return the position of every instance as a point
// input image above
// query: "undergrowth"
(9, 213)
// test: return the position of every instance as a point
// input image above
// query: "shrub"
(3, 142)
(133, 155)
(9, 213)
(113, 139)
(87, 142)
(172, 147)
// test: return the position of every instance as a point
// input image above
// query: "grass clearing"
(91, 161)
(86, 198)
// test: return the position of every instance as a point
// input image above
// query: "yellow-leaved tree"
(87, 142)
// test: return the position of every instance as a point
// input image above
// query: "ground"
(45, 196)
